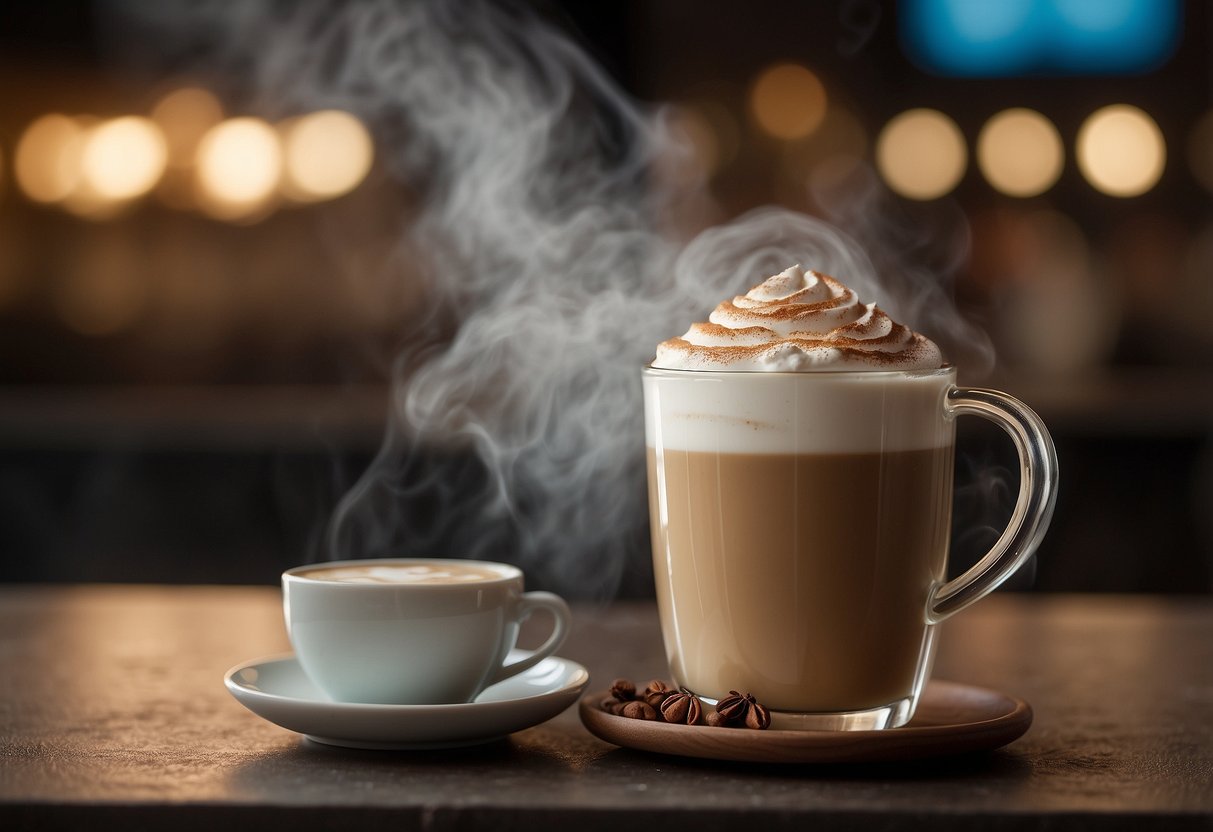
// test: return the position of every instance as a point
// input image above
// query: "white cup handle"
(528, 603)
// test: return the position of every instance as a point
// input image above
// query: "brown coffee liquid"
(802, 579)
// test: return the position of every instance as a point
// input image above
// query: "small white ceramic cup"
(399, 642)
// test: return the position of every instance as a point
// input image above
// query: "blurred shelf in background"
(233, 418)
(1121, 402)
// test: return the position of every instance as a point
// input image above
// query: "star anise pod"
(656, 692)
(716, 720)
(681, 707)
(758, 717)
(743, 708)
(734, 706)
(623, 689)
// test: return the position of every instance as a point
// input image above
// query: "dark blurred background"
(191, 376)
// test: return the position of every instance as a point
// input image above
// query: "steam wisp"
(518, 436)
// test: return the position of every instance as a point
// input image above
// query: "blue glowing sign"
(1039, 37)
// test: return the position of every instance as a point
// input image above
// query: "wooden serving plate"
(951, 719)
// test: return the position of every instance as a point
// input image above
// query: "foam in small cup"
(413, 573)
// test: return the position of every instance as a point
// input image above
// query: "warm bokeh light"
(1121, 151)
(788, 101)
(48, 156)
(1020, 152)
(1200, 150)
(184, 116)
(123, 158)
(327, 154)
(921, 154)
(239, 165)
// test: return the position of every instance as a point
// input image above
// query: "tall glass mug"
(800, 528)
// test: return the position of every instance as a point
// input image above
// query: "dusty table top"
(113, 711)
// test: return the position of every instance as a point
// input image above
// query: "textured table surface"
(113, 712)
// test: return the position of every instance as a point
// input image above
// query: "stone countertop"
(113, 713)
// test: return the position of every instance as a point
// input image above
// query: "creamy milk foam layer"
(798, 366)
(798, 321)
(417, 573)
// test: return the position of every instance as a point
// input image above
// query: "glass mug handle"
(1033, 508)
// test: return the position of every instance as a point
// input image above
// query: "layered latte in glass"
(800, 455)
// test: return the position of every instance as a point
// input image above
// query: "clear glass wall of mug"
(800, 527)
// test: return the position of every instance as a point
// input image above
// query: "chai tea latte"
(786, 572)
(800, 450)
(800, 492)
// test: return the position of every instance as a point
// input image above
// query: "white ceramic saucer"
(276, 689)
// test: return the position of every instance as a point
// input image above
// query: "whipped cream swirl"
(798, 321)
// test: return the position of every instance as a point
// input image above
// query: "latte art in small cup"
(798, 321)
(414, 573)
(800, 455)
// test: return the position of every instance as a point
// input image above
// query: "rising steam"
(540, 240)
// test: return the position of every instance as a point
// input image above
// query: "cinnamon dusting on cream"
(798, 321)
